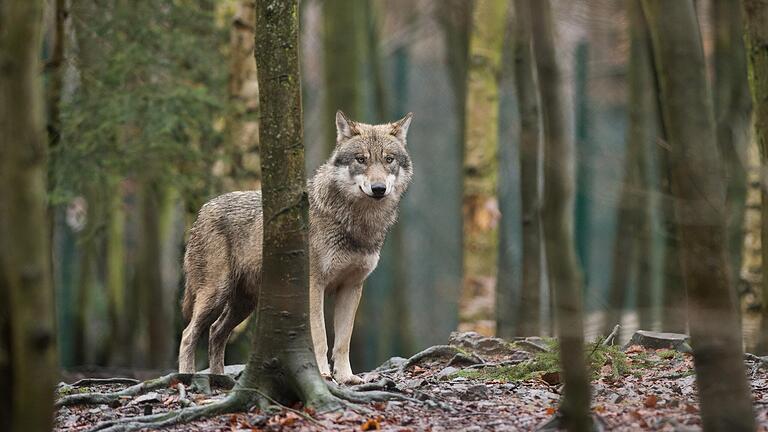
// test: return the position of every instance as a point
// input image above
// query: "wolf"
(353, 201)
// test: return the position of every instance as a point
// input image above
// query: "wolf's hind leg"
(347, 299)
(234, 313)
(203, 314)
(317, 323)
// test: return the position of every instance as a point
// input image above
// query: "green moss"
(549, 361)
(667, 354)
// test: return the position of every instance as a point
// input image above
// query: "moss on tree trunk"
(699, 193)
(756, 23)
(480, 176)
(28, 366)
(565, 278)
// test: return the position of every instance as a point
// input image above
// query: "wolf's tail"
(188, 303)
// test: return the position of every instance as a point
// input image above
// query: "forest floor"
(473, 384)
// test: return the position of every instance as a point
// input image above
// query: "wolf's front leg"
(317, 324)
(347, 299)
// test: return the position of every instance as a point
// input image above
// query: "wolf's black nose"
(378, 189)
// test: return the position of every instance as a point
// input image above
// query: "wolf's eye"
(360, 159)
(389, 159)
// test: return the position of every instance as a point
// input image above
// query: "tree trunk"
(344, 36)
(238, 168)
(557, 221)
(116, 280)
(699, 193)
(149, 279)
(28, 365)
(756, 23)
(480, 176)
(282, 363)
(733, 107)
(528, 319)
(631, 249)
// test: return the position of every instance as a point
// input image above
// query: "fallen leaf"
(650, 401)
(370, 424)
(551, 378)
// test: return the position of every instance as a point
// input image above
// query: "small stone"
(151, 397)
(447, 372)
(474, 393)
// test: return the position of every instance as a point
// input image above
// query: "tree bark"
(564, 276)
(631, 249)
(528, 321)
(699, 193)
(480, 175)
(344, 36)
(733, 108)
(28, 364)
(756, 23)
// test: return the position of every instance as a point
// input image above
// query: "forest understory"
(474, 383)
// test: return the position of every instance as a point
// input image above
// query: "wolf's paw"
(348, 379)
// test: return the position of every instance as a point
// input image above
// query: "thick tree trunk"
(282, 363)
(480, 176)
(756, 23)
(28, 365)
(344, 37)
(528, 319)
(557, 221)
(630, 250)
(699, 195)
(733, 107)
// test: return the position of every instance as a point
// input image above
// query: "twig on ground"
(609, 339)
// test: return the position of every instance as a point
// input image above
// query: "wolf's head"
(371, 161)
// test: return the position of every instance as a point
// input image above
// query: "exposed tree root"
(96, 381)
(232, 403)
(368, 396)
(169, 380)
(239, 400)
(446, 352)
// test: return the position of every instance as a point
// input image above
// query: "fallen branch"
(609, 339)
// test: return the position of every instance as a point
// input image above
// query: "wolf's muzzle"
(379, 190)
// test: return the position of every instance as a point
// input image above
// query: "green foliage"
(146, 86)
(549, 362)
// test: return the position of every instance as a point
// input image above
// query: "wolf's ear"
(345, 128)
(400, 127)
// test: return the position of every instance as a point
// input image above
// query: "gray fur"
(348, 226)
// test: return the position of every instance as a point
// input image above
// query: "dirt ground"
(474, 384)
